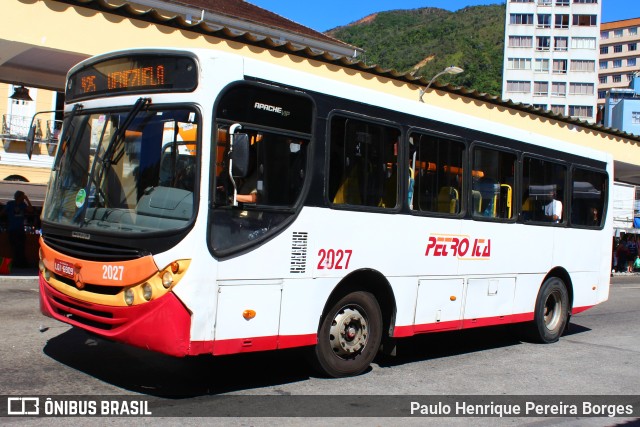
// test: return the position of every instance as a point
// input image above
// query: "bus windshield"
(125, 171)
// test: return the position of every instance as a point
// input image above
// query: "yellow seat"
(448, 198)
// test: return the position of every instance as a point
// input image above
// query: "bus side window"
(587, 197)
(363, 163)
(438, 173)
(493, 177)
(545, 185)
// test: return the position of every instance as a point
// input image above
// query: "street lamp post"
(449, 70)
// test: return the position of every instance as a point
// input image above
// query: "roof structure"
(620, 24)
(246, 11)
(239, 15)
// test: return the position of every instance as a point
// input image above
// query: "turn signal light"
(175, 267)
(249, 314)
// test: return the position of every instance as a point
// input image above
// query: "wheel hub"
(349, 332)
(552, 311)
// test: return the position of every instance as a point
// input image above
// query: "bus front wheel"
(349, 336)
(551, 311)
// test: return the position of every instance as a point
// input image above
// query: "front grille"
(85, 316)
(91, 251)
(88, 287)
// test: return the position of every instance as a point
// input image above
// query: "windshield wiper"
(116, 140)
(118, 137)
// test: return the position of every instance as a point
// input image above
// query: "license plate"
(63, 268)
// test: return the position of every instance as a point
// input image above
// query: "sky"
(328, 14)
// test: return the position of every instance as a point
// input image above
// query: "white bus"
(206, 202)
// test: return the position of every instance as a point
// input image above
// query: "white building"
(551, 55)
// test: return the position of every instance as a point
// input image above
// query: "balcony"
(16, 129)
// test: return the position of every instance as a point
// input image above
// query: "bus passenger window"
(493, 180)
(437, 166)
(543, 200)
(587, 197)
(363, 164)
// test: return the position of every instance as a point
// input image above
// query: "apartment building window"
(562, 2)
(604, 50)
(629, 77)
(559, 66)
(540, 88)
(581, 88)
(521, 1)
(521, 41)
(560, 43)
(618, 33)
(602, 94)
(518, 86)
(585, 20)
(583, 43)
(632, 47)
(633, 31)
(545, 2)
(602, 80)
(544, 20)
(617, 63)
(557, 109)
(635, 117)
(586, 1)
(561, 21)
(521, 19)
(519, 63)
(580, 111)
(541, 66)
(540, 106)
(631, 62)
(584, 65)
(617, 78)
(617, 48)
(603, 65)
(543, 43)
(559, 89)
(604, 35)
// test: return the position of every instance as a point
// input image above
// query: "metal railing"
(16, 128)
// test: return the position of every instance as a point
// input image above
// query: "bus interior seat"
(448, 198)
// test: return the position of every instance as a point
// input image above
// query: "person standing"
(15, 211)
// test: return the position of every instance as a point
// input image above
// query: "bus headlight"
(47, 274)
(147, 291)
(128, 296)
(167, 279)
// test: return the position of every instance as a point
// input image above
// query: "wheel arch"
(368, 280)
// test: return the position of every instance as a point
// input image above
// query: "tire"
(551, 312)
(349, 336)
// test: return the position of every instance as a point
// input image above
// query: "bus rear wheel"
(551, 311)
(349, 336)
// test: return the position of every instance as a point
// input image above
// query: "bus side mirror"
(31, 136)
(240, 155)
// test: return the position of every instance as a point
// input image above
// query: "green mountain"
(427, 40)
